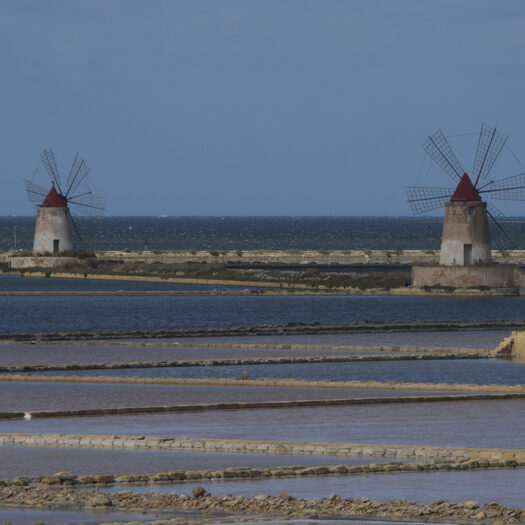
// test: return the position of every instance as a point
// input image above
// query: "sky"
(254, 107)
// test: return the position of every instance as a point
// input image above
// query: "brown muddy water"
(474, 423)
(63, 396)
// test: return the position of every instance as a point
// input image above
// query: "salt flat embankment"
(364, 256)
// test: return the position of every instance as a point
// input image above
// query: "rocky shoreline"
(286, 471)
(284, 505)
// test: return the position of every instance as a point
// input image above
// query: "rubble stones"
(283, 505)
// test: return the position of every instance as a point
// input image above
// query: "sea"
(250, 233)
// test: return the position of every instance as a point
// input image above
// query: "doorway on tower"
(56, 246)
(467, 254)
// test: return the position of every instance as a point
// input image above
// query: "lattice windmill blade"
(511, 188)
(75, 230)
(423, 199)
(77, 174)
(498, 234)
(48, 160)
(439, 150)
(490, 144)
(35, 193)
(88, 205)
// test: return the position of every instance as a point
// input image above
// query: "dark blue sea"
(244, 233)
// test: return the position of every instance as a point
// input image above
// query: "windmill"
(59, 205)
(466, 237)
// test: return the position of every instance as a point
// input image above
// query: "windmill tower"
(466, 228)
(55, 222)
(466, 237)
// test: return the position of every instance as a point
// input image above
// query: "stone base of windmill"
(19, 263)
(474, 276)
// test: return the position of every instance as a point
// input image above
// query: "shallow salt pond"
(137, 350)
(38, 461)
(13, 354)
(456, 339)
(22, 396)
(461, 423)
(484, 486)
(476, 371)
(23, 516)
(43, 314)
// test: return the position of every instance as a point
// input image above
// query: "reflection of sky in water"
(484, 486)
(33, 314)
(61, 396)
(23, 516)
(30, 461)
(473, 371)
(457, 339)
(460, 423)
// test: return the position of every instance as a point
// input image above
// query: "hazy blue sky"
(312, 107)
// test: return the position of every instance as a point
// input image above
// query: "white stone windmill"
(57, 206)
(466, 238)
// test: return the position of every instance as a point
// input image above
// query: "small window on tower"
(471, 210)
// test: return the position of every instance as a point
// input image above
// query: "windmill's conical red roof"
(54, 199)
(466, 191)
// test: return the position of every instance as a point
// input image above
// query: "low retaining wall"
(41, 262)
(54, 367)
(285, 471)
(255, 405)
(281, 383)
(289, 329)
(342, 348)
(238, 446)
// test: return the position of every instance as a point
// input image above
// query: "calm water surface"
(503, 486)
(472, 371)
(41, 354)
(23, 516)
(41, 314)
(456, 339)
(474, 423)
(31, 461)
(61, 396)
